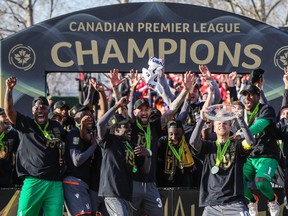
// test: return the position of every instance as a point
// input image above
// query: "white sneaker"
(253, 207)
(274, 207)
(285, 202)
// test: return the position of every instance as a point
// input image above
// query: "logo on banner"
(22, 57)
(281, 57)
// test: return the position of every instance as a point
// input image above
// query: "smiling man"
(222, 188)
(37, 159)
(120, 159)
(175, 160)
(263, 160)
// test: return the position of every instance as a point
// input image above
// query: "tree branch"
(234, 5)
(33, 3)
(16, 17)
(52, 7)
(273, 7)
(256, 10)
(15, 3)
(8, 30)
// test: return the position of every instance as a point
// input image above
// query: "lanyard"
(147, 135)
(180, 151)
(253, 114)
(44, 132)
(129, 148)
(220, 153)
(2, 135)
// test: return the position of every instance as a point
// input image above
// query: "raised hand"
(245, 79)
(133, 78)
(11, 82)
(86, 120)
(206, 74)
(189, 80)
(122, 102)
(202, 114)
(114, 78)
(231, 78)
(238, 111)
(96, 85)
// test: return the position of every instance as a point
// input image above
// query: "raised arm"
(248, 136)
(188, 82)
(115, 82)
(78, 157)
(167, 95)
(103, 104)
(231, 84)
(8, 100)
(134, 79)
(195, 139)
(184, 110)
(207, 75)
(102, 122)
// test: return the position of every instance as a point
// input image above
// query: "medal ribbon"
(180, 151)
(252, 116)
(2, 135)
(44, 132)
(129, 148)
(220, 153)
(147, 135)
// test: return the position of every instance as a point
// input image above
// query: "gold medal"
(181, 166)
(171, 177)
(2, 154)
(214, 170)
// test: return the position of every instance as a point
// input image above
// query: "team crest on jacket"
(76, 140)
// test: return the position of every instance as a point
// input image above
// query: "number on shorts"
(158, 200)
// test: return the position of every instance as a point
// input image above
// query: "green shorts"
(260, 168)
(37, 193)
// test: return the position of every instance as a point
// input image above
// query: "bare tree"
(19, 14)
(262, 10)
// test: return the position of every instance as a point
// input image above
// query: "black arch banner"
(125, 36)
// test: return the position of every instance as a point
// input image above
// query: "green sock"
(248, 194)
(266, 189)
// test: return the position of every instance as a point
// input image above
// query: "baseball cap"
(41, 100)
(77, 108)
(255, 75)
(117, 120)
(141, 102)
(177, 124)
(2, 111)
(251, 89)
(51, 115)
(61, 104)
